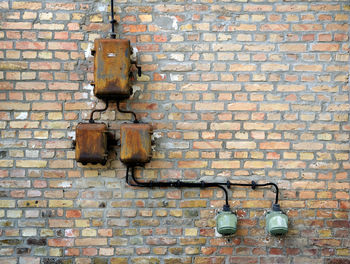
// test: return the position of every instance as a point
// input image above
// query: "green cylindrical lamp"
(226, 221)
(276, 221)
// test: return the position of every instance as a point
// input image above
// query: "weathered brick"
(61, 242)
(16, 25)
(27, 45)
(225, 164)
(225, 126)
(227, 47)
(257, 126)
(207, 145)
(274, 27)
(13, 65)
(192, 164)
(274, 145)
(258, 87)
(26, 5)
(209, 106)
(274, 67)
(31, 163)
(258, 164)
(307, 27)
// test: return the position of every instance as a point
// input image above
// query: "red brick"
(258, 87)
(325, 7)
(16, 25)
(325, 47)
(45, 65)
(28, 45)
(60, 242)
(291, 164)
(240, 145)
(89, 251)
(60, 6)
(225, 126)
(291, 8)
(242, 107)
(191, 126)
(26, 5)
(168, 8)
(91, 242)
(6, 44)
(258, 164)
(307, 27)
(63, 86)
(274, 27)
(257, 8)
(62, 46)
(47, 106)
(258, 126)
(274, 145)
(192, 164)
(60, 223)
(134, 28)
(293, 47)
(322, 204)
(225, 164)
(207, 145)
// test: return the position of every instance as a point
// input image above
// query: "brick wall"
(243, 90)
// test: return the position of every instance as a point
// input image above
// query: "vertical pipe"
(113, 35)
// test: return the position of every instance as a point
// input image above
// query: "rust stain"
(91, 143)
(135, 143)
(111, 68)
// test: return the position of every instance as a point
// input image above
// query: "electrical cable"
(91, 120)
(202, 184)
(127, 112)
(113, 21)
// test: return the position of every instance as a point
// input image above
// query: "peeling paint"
(65, 184)
(22, 115)
(87, 52)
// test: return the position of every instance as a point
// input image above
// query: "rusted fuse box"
(112, 68)
(135, 143)
(91, 143)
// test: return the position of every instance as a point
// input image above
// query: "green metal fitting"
(226, 223)
(276, 221)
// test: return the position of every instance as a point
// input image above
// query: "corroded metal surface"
(91, 143)
(135, 143)
(112, 68)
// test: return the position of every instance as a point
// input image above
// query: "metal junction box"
(112, 68)
(91, 143)
(135, 143)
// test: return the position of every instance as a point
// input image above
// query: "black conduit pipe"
(113, 21)
(202, 184)
(127, 112)
(254, 185)
(91, 120)
(176, 184)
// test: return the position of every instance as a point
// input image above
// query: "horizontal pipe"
(202, 184)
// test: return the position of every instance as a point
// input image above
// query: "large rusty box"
(112, 68)
(91, 143)
(135, 143)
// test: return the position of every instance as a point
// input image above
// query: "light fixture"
(276, 221)
(226, 221)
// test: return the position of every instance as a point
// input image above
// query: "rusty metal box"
(111, 68)
(91, 143)
(135, 143)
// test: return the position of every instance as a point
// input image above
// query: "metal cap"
(226, 208)
(276, 207)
